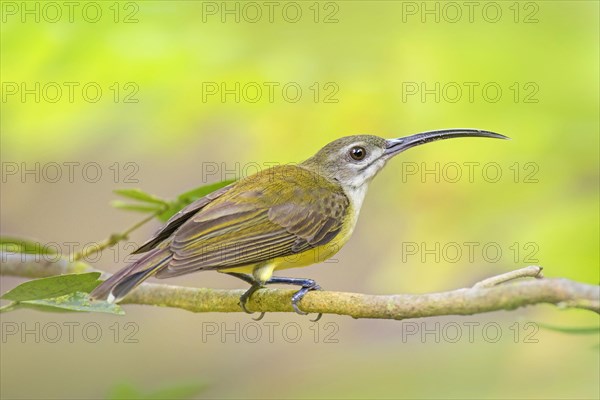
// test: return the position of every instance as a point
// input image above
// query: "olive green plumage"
(276, 213)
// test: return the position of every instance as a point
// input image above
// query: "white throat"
(356, 194)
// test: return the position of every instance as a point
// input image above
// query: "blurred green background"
(157, 126)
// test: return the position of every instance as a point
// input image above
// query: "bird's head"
(354, 160)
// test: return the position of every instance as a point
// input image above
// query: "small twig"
(112, 239)
(532, 271)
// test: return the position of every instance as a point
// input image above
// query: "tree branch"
(491, 294)
(37, 265)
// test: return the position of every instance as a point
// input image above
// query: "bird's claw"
(312, 285)
(244, 299)
(262, 314)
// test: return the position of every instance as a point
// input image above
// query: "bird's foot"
(307, 287)
(246, 296)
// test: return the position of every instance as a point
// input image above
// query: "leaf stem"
(9, 306)
(113, 238)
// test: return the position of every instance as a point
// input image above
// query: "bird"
(285, 216)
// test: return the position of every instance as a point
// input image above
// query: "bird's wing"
(281, 219)
(179, 219)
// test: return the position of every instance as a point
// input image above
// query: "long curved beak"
(395, 146)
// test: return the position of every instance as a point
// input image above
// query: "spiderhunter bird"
(286, 216)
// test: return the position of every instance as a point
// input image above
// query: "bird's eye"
(358, 153)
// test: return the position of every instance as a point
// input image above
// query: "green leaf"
(202, 191)
(173, 209)
(77, 301)
(188, 197)
(175, 392)
(140, 195)
(9, 307)
(19, 245)
(586, 330)
(54, 286)
(148, 209)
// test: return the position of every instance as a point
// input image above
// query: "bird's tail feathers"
(120, 284)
